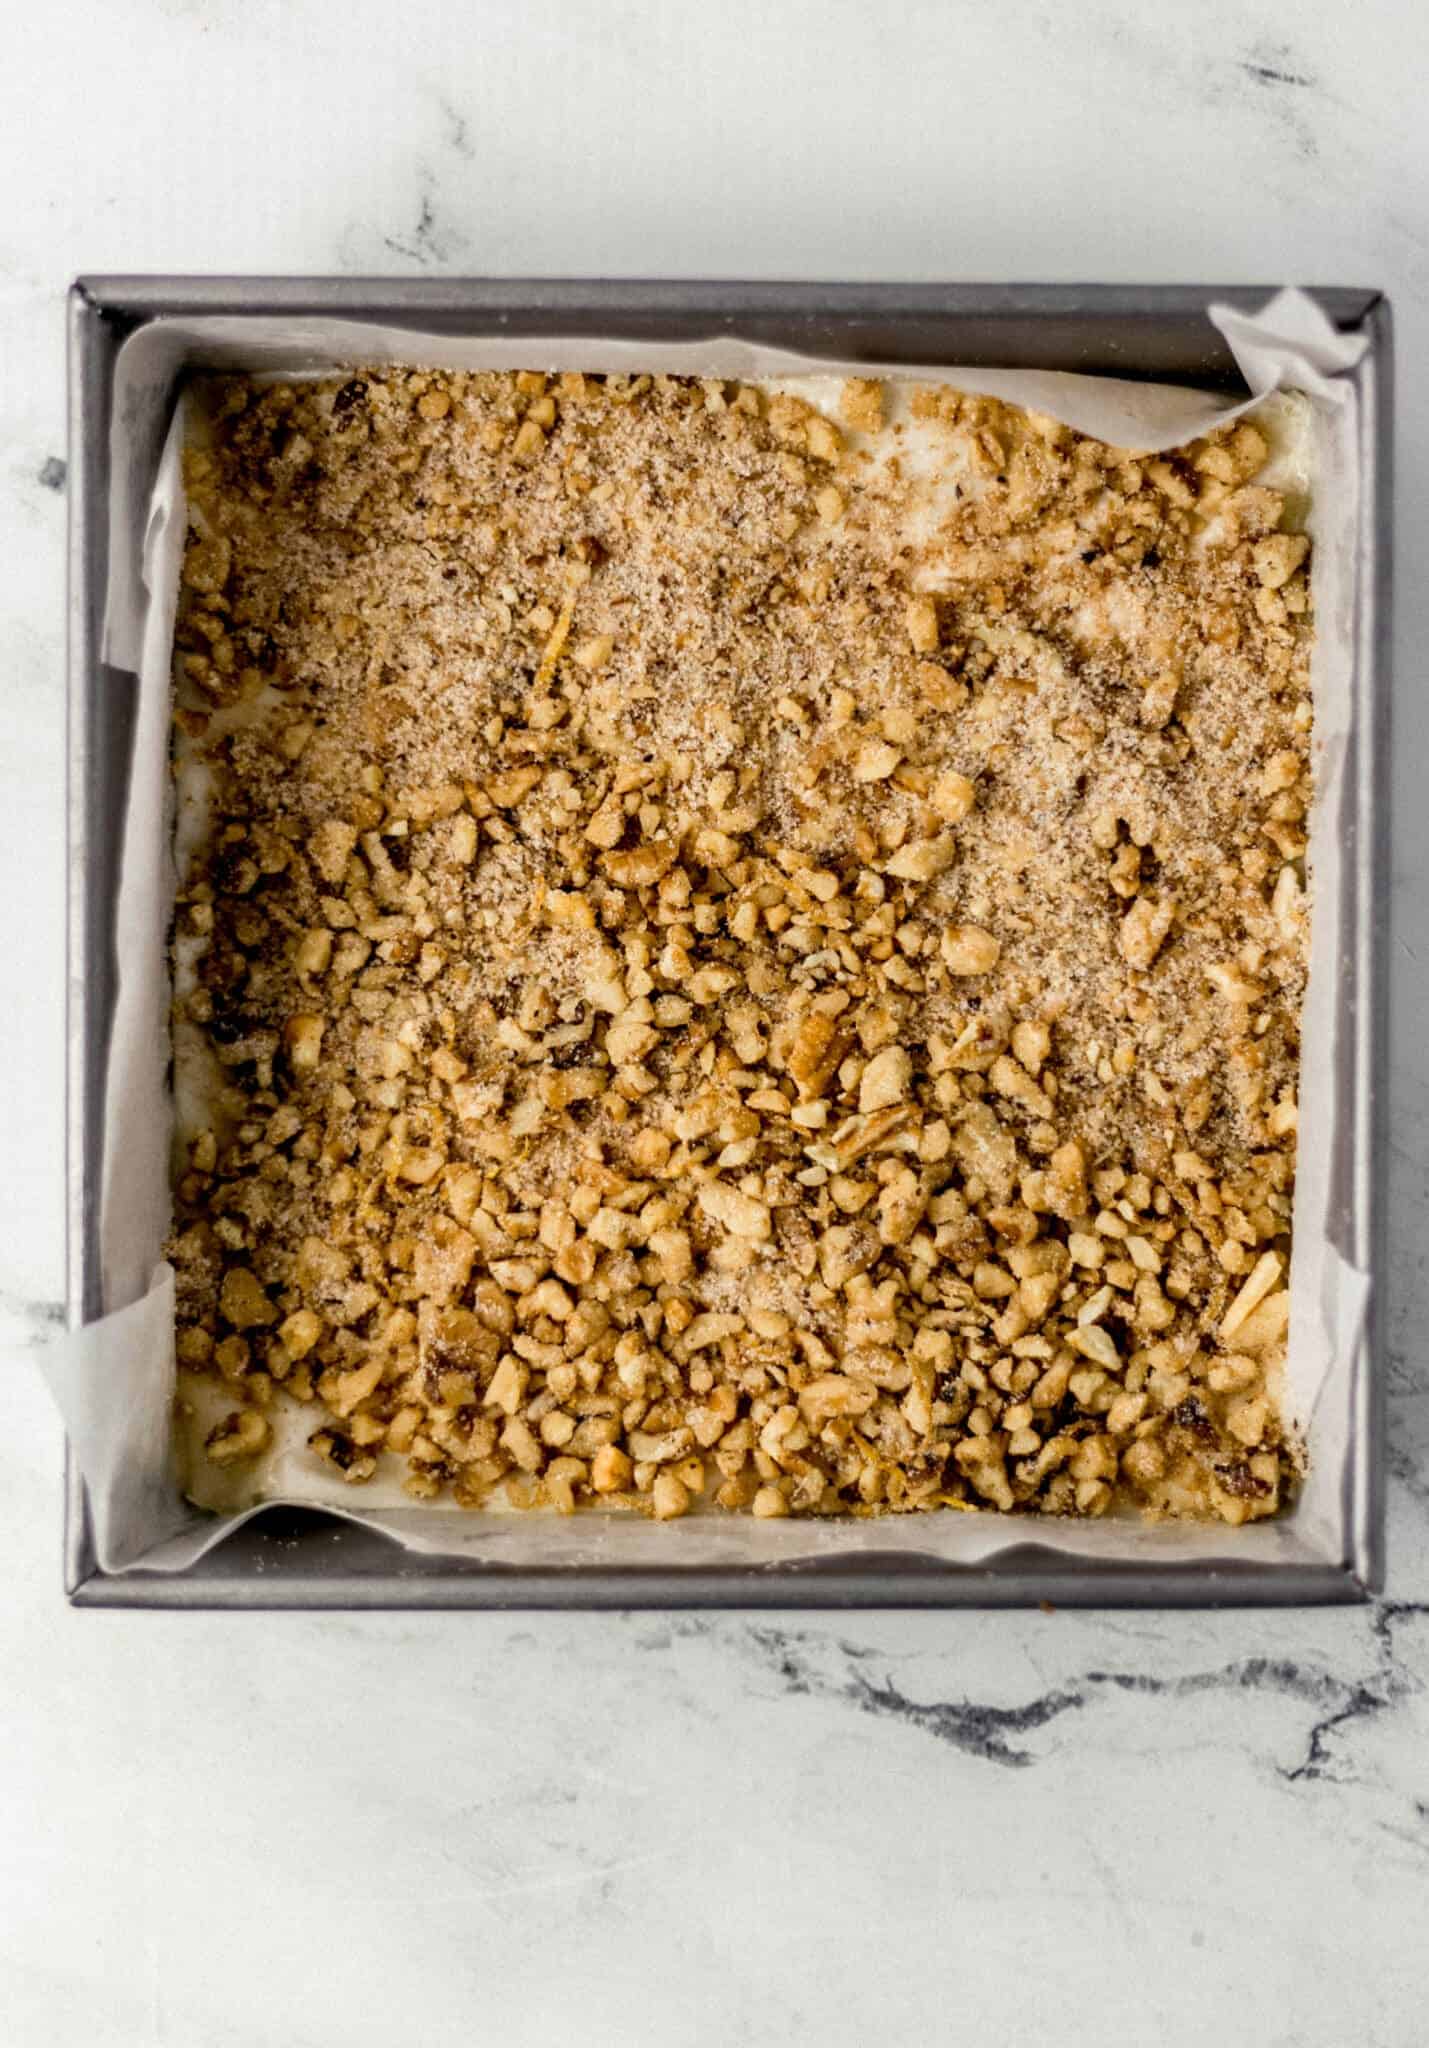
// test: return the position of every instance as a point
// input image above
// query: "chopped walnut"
(861, 404)
(1144, 929)
(732, 979)
(243, 1434)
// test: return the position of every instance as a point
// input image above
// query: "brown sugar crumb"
(721, 974)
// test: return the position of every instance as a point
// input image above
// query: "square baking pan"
(302, 1558)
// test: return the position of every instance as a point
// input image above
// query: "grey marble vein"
(984, 1729)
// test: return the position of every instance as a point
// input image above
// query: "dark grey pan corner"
(310, 1560)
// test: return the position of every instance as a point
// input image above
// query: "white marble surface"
(1033, 1829)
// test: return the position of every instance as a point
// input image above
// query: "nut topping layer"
(739, 953)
